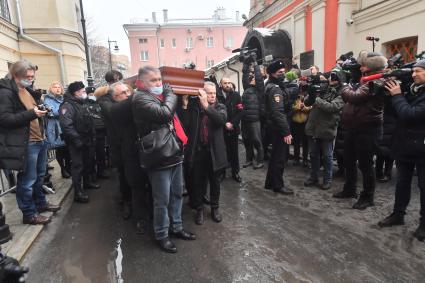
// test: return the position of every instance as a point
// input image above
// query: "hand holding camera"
(393, 87)
(39, 112)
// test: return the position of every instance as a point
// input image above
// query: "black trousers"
(274, 178)
(203, 174)
(360, 146)
(125, 187)
(300, 139)
(251, 136)
(383, 166)
(63, 158)
(136, 188)
(100, 151)
(266, 138)
(81, 167)
(232, 148)
(405, 172)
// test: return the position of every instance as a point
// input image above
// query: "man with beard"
(233, 102)
(275, 104)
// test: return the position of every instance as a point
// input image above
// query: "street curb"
(19, 247)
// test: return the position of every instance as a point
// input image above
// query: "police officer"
(275, 100)
(79, 133)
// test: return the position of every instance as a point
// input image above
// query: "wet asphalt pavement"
(264, 237)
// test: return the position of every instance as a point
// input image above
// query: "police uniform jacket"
(276, 100)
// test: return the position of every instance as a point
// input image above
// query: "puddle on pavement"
(115, 265)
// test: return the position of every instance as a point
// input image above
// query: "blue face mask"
(25, 83)
(157, 90)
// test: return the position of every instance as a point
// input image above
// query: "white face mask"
(83, 96)
(92, 97)
(25, 83)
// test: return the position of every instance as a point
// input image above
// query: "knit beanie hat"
(420, 64)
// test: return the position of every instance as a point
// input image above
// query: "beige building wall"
(318, 33)
(53, 22)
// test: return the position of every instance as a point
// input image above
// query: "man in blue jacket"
(409, 146)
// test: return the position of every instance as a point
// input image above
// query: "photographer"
(24, 144)
(252, 99)
(276, 100)
(409, 146)
(362, 116)
(322, 124)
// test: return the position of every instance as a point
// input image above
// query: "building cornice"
(268, 11)
(8, 29)
(62, 31)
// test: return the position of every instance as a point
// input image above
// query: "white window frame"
(144, 55)
(162, 43)
(210, 42)
(189, 42)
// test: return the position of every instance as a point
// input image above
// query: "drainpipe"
(48, 47)
(237, 73)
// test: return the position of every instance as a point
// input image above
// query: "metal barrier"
(8, 181)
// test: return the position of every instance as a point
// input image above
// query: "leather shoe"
(310, 182)
(236, 177)
(247, 164)
(216, 215)
(326, 186)
(36, 219)
(49, 207)
(184, 235)
(258, 165)
(363, 203)
(345, 194)
(392, 220)
(91, 185)
(199, 218)
(284, 191)
(167, 246)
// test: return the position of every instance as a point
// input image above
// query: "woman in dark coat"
(203, 119)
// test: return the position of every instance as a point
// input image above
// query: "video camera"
(44, 107)
(246, 55)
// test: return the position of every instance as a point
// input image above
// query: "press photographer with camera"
(322, 123)
(22, 126)
(253, 101)
(409, 146)
(362, 116)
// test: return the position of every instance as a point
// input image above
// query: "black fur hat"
(75, 86)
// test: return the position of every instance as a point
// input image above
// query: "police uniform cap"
(275, 66)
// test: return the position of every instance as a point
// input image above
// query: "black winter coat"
(192, 118)
(14, 125)
(96, 113)
(76, 121)
(276, 100)
(390, 122)
(150, 114)
(253, 96)
(409, 136)
(233, 103)
(106, 103)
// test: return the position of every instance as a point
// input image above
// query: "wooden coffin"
(183, 81)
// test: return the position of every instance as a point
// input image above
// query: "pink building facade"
(178, 43)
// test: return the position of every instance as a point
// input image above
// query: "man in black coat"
(154, 108)
(121, 115)
(204, 119)
(276, 99)
(106, 102)
(233, 102)
(252, 99)
(23, 145)
(409, 147)
(79, 133)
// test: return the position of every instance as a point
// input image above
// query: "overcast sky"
(106, 17)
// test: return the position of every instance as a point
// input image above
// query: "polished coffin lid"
(183, 81)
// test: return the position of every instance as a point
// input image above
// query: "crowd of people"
(164, 145)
